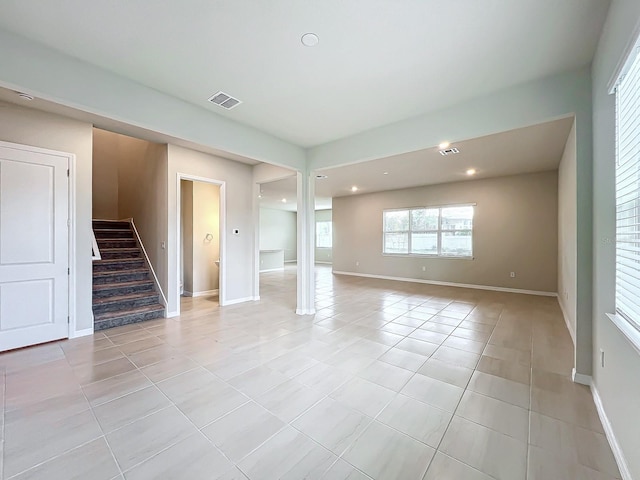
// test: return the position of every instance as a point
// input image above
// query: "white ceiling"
(378, 61)
(537, 148)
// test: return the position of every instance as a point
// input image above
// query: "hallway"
(388, 380)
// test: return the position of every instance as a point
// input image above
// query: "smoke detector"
(224, 100)
(449, 151)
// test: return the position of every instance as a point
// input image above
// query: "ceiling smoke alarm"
(224, 100)
(449, 151)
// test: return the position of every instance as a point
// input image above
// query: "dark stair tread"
(109, 261)
(125, 298)
(120, 272)
(130, 311)
(119, 250)
(108, 286)
(100, 229)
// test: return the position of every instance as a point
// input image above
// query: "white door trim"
(72, 229)
(222, 299)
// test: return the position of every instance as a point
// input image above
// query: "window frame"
(438, 232)
(626, 321)
(330, 222)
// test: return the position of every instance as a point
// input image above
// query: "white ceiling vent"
(225, 101)
(449, 151)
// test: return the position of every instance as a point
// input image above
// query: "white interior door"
(34, 246)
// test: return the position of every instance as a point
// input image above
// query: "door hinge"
(68, 319)
(68, 271)
(67, 172)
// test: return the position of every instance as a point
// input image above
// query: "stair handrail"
(153, 273)
(95, 250)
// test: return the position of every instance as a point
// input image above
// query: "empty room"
(320, 240)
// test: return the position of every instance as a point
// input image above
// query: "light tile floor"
(387, 381)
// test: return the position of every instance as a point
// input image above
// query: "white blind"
(628, 194)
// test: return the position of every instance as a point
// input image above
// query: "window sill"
(417, 255)
(629, 331)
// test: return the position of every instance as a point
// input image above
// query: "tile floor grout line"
(458, 403)
(95, 418)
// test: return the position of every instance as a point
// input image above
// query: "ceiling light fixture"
(25, 96)
(284, 200)
(385, 173)
(471, 171)
(354, 189)
(259, 196)
(444, 145)
(310, 39)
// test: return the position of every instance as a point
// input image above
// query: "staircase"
(123, 288)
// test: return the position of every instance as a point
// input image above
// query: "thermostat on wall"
(236, 231)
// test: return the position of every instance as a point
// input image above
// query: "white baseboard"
(300, 311)
(291, 261)
(324, 263)
(567, 322)
(171, 314)
(200, 294)
(240, 300)
(611, 437)
(272, 270)
(450, 284)
(581, 378)
(82, 333)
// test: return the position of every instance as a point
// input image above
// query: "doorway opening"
(199, 266)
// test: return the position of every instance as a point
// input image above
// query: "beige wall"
(140, 190)
(105, 175)
(206, 220)
(186, 231)
(239, 215)
(567, 233)
(278, 231)
(31, 127)
(323, 255)
(515, 230)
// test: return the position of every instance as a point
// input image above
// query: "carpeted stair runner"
(123, 289)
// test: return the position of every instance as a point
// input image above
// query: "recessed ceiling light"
(284, 200)
(310, 39)
(471, 171)
(259, 196)
(25, 96)
(385, 173)
(321, 177)
(444, 145)
(354, 189)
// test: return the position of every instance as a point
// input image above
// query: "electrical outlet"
(512, 274)
(163, 245)
(424, 269)
(357, 264)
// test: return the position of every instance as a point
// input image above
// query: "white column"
(306, 243)
(256, 241)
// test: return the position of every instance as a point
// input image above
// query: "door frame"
(72, 231)
(222, 230)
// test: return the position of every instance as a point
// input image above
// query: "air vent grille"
(224, 100)
(449, 151)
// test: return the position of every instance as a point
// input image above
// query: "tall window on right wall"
(628, 193)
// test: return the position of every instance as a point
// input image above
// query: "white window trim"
(329, 222)
(628, 328)
(439, 231)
